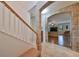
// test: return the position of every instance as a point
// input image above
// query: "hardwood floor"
(60, 39)
(30, 53)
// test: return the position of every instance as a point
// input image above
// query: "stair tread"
(30, 53)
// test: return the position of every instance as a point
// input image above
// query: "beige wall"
(73, 10)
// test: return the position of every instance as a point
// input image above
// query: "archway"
(59, 29)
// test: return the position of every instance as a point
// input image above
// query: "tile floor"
(53, 50)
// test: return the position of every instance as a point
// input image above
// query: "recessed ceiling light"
(52, 24)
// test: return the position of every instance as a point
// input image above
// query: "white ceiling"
(22, 5)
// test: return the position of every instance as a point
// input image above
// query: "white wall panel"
(12, 24)
(33, 39)
(26, 34)
(16, 26)
(1, 16)
(19, 29)
(6, 20)
(20, 32)
(23, 35)
(30, 36)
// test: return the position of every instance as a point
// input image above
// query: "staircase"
(16, 34)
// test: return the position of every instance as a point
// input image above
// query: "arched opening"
(59, 29)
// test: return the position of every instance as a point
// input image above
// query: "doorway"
(59, 29)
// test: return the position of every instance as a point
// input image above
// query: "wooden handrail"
(16, 14)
